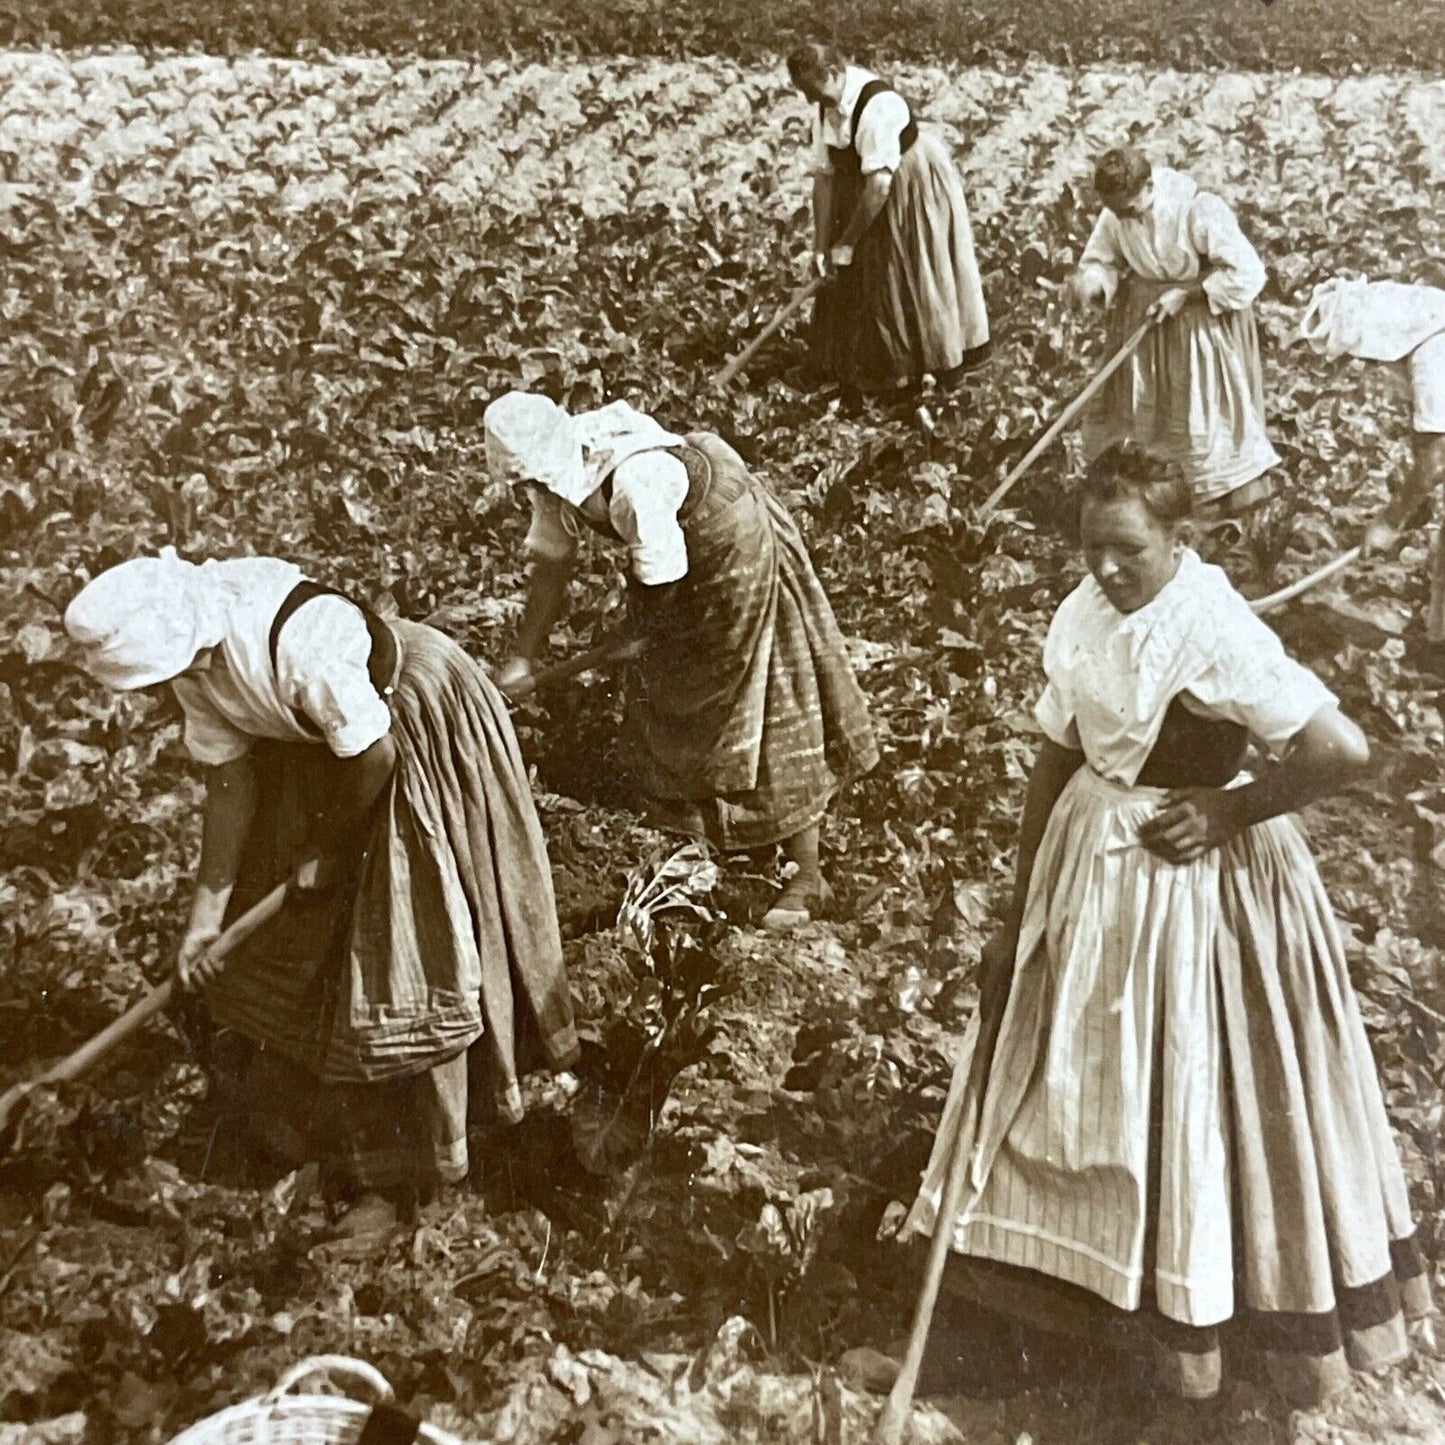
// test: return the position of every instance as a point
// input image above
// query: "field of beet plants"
(258, 304)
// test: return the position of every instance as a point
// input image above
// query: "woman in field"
(745, 717)
(1193, 392)
(416, 969)
(1404, 324)
(891, 231)
(1174, 1123)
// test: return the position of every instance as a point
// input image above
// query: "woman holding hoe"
(1192, 394)
(1177, 1130)
(745, 716)
(416, 969)
(892, 236)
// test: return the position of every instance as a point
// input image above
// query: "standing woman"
(891, 229)
(1193, 392)
(745, 717)
(416, 970)
(1173, 1119)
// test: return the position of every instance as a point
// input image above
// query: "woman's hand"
(1382, 536)
(822, 265)
(839, 257)
(192, 967)
(1191, 823)
(316, 874)
(1084, 292)
(514, 671)
(1170, 303)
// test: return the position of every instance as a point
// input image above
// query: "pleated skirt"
(369, 1015)
(1192, 394)
(1180, 1124)
(912, 301)
(744, 713)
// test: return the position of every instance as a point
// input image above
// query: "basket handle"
(329, 1365)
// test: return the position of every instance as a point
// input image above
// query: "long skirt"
(744, 711)
(912, 301)
(370, 1013)
(1181, 1116)
(1192, 394)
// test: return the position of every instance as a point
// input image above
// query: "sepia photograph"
(722, 722)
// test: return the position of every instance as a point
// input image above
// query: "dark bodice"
(1193, 751)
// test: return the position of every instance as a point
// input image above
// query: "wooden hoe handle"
(73, 1065)
(798, 298)
(1070, 412)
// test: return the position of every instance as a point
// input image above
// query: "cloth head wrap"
(145, 621)
(532, 439)
(1373, 320)
(615, 432)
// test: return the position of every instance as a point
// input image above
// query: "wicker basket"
(283, 1418)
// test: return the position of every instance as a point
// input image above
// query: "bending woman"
(1192, 394)
(418, 971)
(745, 717)
(892, 232)
(1173, 1121)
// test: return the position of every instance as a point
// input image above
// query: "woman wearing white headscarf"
(745, 715)
(417, 968)
(1404, 324)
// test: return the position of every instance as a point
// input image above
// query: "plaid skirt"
(368, 1014)
(744, 712)
(1180, 1125)
(1192, 394)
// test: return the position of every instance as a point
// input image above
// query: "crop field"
(254, 303)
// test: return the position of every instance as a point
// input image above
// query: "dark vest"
(1193, 751)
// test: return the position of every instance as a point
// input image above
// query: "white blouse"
(320, 671)
(1184, 228)
(880, 127)
(648, 491)
(1427, 384)
(1112, 675)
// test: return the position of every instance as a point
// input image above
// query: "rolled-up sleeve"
(321, 669)
(1236, 274)
(880, 131)
(209, 738)
(648, 491)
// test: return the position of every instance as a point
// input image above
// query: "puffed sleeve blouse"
(1111, 675)
(880, 128)
(1185, 231)
(320, 675)
(648, 491)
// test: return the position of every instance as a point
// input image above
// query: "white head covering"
(1374, 320)
(615, 432)
(532, 439)
(146, 620)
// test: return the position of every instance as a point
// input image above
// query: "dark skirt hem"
(1308, 1357)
